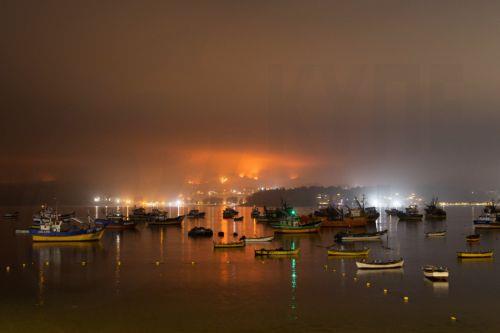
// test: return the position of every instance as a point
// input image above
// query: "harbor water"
(157, 279)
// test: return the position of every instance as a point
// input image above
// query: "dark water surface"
(197, 289)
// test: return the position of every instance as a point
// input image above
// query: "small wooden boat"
(410, 214)
(11, 216)
(276, 252)
(257, 239)
(475, 254)
(200, 232)
(380, 264)
(229, 245)
(349, 237)
(292, 226)
(489, 225)
(436, 233)
(168, 221)
(238, 219)
(436, 273)
(348, 253)
(81, 235)
(473, 238)
(229, 213)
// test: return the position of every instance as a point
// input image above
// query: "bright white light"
(97, 199)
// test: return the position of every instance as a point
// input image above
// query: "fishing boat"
(238, 219)
(229, 213)
(277, 252)
(473, 238)
(380, 264)
(368, 236)
(475, 254)
(487, 221)
(297, 225)
(433, 211)
(195, 214)
(255, 213)
(257, 239)
(52, 231)
(410, 214)
(229, 244)
(139, 214)
(335, 217)
(348, 253)
(168, 221)
(392, 212)
(275, 215)
(200, 232)
(116, 221)
(441, 233)
(436, 273)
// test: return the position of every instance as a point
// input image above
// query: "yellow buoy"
(24, 265)
(228, 262)
(355, 279)
(386, 291)
(453, 318)
(368, 284)
(84, 263)
(119, 263)
(7, 268)
(157, 263)
(192, 263)
(406, 299)
(46, 263)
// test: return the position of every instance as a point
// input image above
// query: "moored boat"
(11, 215)
(392, 212)
(436, 273)
(475, 254)
(238, 219)
(195, 214)
(277, 252)
(368, 236)
(139, 214)
(229, 213)
(168, 221)
(348, 253)
(200, 232)
(473, 238)
(380, 264)
(433, 211)
(441, 233)
(52, 231)
(255, 213)
(294, 225)
(410, 214)
(257, 239)
(229, 245)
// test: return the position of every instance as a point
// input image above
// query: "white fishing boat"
(435, 273)
(380, 264)
(258, 239)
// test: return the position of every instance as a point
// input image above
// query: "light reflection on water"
(194, 288)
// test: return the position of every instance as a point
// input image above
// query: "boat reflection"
(475, 260)
(439, 287)
(373, 272)
(293, 282)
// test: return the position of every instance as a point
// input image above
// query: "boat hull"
(347, 222)
(288, 230)
(95, 236)
(392, 265)
(475, 254)
(259, 239)
(341, 253)
(229, 245)
(264, 252)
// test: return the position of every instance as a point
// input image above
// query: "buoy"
(84, 263)
(235, 234)
(157, 263)
(343, 274)
(228, 262)
(325, 267)
(24, 265)
(453, 318)
(46, 263)
(119, 263)
(220, 234)
(334, 270)
(406, 299)
(386, 291)
(368, 284)
(355, 279)
(7, 268)
(192, 263)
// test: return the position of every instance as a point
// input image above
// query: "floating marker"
(46, 263)
(386, 291)
(24, 265)
(7, 268)
(119, 263)
(406, 299)
(84, 263)
(355, 279)
(368, 284)
(453, 318)
(343, 274)
(192, 263)
(325, 267)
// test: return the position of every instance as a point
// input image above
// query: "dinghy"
(435, 273)
(380, 264)
(257, 239)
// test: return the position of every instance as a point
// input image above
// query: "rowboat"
(195, 214)
(435, 273)
(238, 219)
(257, 239)
(348, 253)
(300, 229)
(436, 233)
(473, 238)
(489, 225)
(11, 216)
(168, 221)
(475, 254)
(80, 235)
(276, 252)
(229, 245)
(380, 264)
(349, 237)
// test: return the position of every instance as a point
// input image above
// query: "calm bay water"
(197, 289)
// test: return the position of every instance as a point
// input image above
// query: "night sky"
(145, 96)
